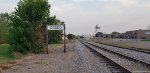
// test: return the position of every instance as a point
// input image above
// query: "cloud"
(81, 16)
(5, 7)
(113, 15)
(82, 0)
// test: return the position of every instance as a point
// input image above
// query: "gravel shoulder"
(55, 62)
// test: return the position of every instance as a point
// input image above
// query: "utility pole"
(64, 38)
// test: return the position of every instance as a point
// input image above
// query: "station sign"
(55, 27)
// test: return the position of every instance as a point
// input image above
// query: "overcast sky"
(81, 16)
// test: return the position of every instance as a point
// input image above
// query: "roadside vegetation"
(24, 31)
(5, 55)
(4, 28)
(71, 38)
(146, 40)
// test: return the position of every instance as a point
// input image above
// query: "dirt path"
(55, 62)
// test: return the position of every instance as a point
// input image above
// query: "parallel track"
(133, 54)
(125, 62)
(133, 48)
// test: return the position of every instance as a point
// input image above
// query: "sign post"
(47, 39)
(58, 27)
(64, 38)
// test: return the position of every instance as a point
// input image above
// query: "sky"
(81, 16)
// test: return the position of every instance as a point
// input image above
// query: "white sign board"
(147, 32)
(55, 27)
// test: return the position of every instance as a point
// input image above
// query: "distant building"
(136, 34)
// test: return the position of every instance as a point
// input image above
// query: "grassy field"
(146, 40)
(125, 43)
(5, 55)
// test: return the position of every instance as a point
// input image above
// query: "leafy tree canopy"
(28, 28)
(115, 33)
(33, 10)
(71, 36)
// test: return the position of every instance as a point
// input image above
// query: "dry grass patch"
(129, 44)
(8, 65)
(55, 48)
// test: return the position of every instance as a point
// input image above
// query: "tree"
(29, 26)
(71, 36)
(115, 33)
(4, 28)
(98, 34)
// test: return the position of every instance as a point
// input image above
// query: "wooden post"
(64, 38)
(47, 38)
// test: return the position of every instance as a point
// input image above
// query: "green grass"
(5, 55)
(146, 40)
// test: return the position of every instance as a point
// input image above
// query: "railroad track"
(132, 48)
(133, 54)
(126, 61)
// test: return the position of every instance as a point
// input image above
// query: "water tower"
(97, 29)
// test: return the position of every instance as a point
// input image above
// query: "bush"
(71, 36)
(27, 24)
(4, 28)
